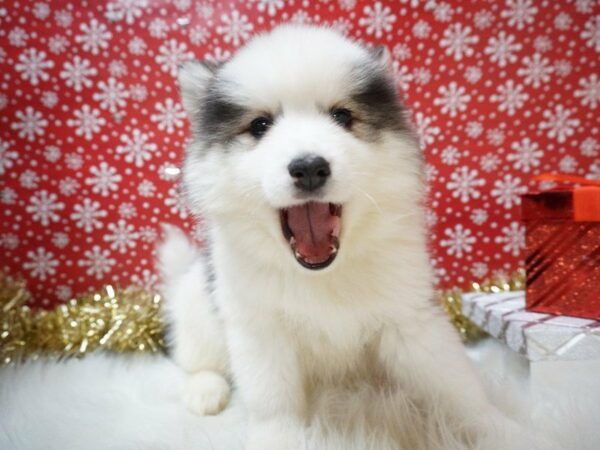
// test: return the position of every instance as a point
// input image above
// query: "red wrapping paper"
(563, 251)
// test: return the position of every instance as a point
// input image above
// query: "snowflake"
(8, 196)
(137, 46)
(41, 10)
(104, 180)
(112, 94)
(474, 129)
(402, 76)
(125, 9)
(74, 161)
(495, 136)
(464, 183)
(117, 68)
(218, 56)
(460, 240)
(591, 33)
(450, 155)
(6, 157)
(32, 65)
(562, 67)
(453, 99)
(422, 75)
(590, 91)
(425, 131)
(41, 263)
(562, 21)
(63, 18)
(536, 70)
(97, 261)
(64, 292)
(138, 92)
(567, 164)
(68, 186)
(235, 28)
(559, 123)
(513, 238)
(479, 216)
(31, 124)
(148, 280)
(136, 148)
(483, 19)
(457, 41)
(594, 172)
(473, 74)
(87, 121)
(18, 37)
(489, 162)
(519, 13)
(526, 155)
(158, 28)
(510, 97)
(508, 191)
(584, 6)
(95, 36)
(542, 44)
(442, 11)
(479, 270)
(122, 236)
(148, 234)
(421, 29)
(379, 19)
(29, 179)
(271, 6)
(198, 35)
(60, 240)
(171, 55)
(43, 207)
(170, 115)
(9, 241)
(590, 147)
(76, 73)
(58, 44)
(502, 49)
(401, 51)
(146, 188)
(49, 99)
(177, 203)
(87, 215)
(127, 210)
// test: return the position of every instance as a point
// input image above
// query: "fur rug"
(110, 402)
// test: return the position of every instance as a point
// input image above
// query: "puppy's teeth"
(292, 240)
(333, 250)
(298, 255)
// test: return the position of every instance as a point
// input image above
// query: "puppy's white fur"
(284, 333)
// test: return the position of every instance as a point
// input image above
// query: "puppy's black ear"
(194, 77)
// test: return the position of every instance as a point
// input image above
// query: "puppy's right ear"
(194, 77)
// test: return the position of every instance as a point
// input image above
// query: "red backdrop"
(91, 126)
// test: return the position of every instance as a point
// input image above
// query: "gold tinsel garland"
(129, 320)
(117, 320)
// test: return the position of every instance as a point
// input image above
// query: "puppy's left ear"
(194, 78)
(382, 56)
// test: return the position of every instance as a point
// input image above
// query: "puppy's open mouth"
(312, 230)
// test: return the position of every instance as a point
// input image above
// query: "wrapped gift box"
(563, 251)
(537, 336)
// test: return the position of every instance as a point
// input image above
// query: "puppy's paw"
(206, 393)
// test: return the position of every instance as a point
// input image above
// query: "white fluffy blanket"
(115, 402)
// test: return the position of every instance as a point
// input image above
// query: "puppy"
(308, 177)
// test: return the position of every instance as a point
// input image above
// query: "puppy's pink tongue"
(313, 226)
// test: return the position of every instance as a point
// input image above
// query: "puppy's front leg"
(266, 370)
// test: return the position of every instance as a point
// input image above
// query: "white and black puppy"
(306, 172)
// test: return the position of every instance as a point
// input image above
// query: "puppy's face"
(299, 143)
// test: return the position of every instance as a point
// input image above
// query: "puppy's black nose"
(309, 172)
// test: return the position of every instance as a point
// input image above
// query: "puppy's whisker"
(371, 199)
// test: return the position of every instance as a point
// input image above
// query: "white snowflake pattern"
(378, 19)
(68, 186)
(29, 179)
(97, 261)
(87, 121)
(147, 280)
(112, 95)
(64, 292)
(509, 97)
(458, 41)
(170, 115)
(125, 9)
(519, 13)
(460, 240)
(526, 155)
(171, 55)
(590, 147)
(60, 240)
(52, 153)
(122, 236)
(104, 179)
(502, 49)
(479, 216)
(536, 70)
(44, 207)
(235, 27)
(512, 239)
(18, 37)
(508, 191)
(590, 91)
(425, 130)
(33, 65)
(88, 215)
(77, 73)
(136, 148)
(94, 37)
(453, 99)
(146, 188)
(41, 263)
(176, 202)
(559, 123)
(591, 33)
(270, 6)
(450, 155)
(567, 164)
(31, 123)
(464, 184)
(7, 157)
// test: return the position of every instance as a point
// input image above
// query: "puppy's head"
(301, 147)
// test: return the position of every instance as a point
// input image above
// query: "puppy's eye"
(342, 116)
(259, 126)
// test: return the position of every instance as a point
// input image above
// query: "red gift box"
(563, 248)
